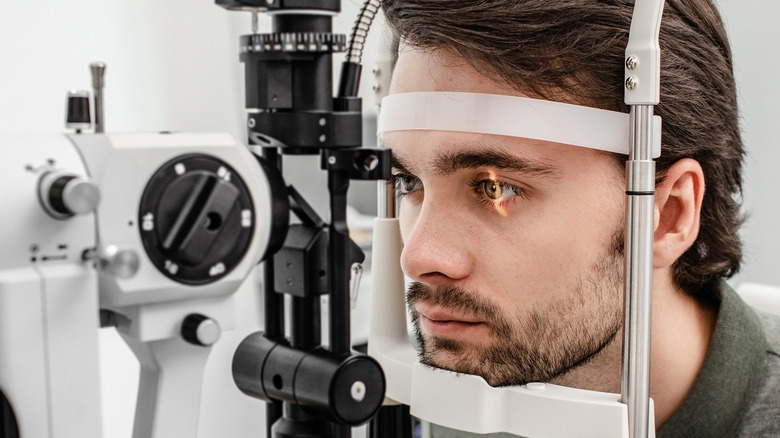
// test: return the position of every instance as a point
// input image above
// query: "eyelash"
(478, 186)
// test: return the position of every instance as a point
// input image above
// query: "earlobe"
(678, 200)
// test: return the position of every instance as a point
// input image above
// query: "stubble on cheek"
(537, 345)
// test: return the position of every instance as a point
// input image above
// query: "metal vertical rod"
(98, 70)
(640, 191)
(385, 199)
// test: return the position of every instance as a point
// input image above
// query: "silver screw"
(255, 21)
(270, 2)
(375, 88)
(358, 391)
(331, 160)
(376, 71)
(251, 123)
(323, 122)
(632, 82)
(632, 62)
(323, 138)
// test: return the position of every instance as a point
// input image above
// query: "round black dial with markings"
(196, 219)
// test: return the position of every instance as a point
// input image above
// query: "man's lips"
(439, 321)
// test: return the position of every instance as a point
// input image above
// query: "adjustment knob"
(200, 330)
(197, 219)
(77, 111)
(64, 194)
(122, 263)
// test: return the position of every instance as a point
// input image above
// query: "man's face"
(513, 245)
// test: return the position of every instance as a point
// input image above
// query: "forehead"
(439, 70)
(446, 152)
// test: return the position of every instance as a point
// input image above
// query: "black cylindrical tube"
(312, 75)
(349, 82)
(315, 384)
(248, 362)
(348, 390)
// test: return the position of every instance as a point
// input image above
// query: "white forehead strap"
(511, 116)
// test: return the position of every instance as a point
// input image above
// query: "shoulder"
(771, 324)
(763, 416)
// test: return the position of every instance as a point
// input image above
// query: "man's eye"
(497, 190)
(406, 183)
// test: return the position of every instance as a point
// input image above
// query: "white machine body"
(57, 271)
(48, 298)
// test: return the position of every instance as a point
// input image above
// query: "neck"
(682, 330)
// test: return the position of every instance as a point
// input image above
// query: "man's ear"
(678, 201)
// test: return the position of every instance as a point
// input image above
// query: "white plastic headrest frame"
(511, 116)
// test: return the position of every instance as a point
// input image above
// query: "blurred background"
(173, 66)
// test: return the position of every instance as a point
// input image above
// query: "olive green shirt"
(737, 392)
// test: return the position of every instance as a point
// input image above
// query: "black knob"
(77, 113)
(200, 330)
(197, 219)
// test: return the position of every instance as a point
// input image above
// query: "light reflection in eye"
(493, 189)
(497, 195)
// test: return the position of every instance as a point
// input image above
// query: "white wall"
(171, 65)
(754, 38)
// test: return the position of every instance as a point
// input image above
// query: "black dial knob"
(197, 219)
(77, 111)
(200, 330)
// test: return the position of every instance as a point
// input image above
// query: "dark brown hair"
(575, 48)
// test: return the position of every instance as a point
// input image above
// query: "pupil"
(493, 190)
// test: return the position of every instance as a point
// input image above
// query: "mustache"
(458, 298)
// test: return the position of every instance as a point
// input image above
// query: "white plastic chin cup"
(512, 116)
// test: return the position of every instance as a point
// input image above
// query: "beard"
(530, 345)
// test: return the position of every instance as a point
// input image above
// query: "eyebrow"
(447, 163)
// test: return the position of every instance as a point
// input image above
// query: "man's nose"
(436, 244)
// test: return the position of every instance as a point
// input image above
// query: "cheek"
(554, 247)
(407, 218)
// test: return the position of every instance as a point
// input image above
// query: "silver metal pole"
(385, 199)
(642, 92)
(98, 70)
(640, 193)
